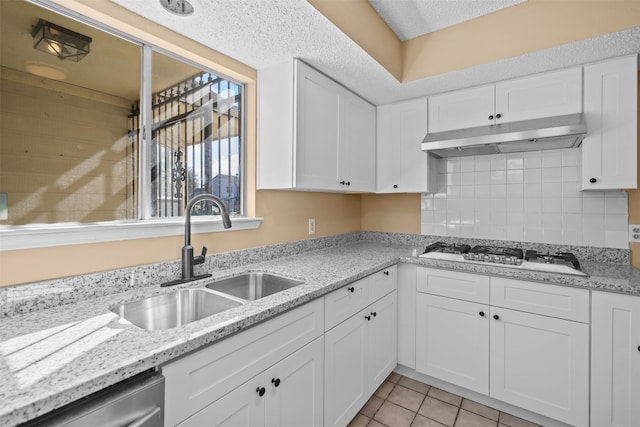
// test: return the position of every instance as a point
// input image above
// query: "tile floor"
(404, 402)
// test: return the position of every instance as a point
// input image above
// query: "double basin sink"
(188, 305)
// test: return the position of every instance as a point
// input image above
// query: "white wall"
(531, 197)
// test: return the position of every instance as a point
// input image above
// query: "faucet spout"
(188, 260)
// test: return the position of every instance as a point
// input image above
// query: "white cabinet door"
(407, 315)
(242, 407)
(541, 364)
(402, 166)
(452, 341)
(462, 109)
(609, 151)
(345, 364)
(295, 388)
(545, 95)
(615, 360)
(357, 151)
(317, 129)
(383, 332)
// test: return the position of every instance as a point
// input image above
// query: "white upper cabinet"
(462, 109)
(317, 130)
(357, 150)
(402, 165)
(609, 151)
(313, 134)
(544, 95)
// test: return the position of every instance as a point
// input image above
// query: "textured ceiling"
(263, 32)
(413, 18)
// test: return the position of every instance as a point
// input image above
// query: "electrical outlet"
(634, 232)
(312, 226)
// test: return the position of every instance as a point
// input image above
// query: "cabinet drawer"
(549, 300)
(464, 286)
(196, 380)
(345, 302)
(382, 282)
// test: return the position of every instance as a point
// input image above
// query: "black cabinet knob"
(481, 314)
(592, 180)
(374, 314)
(351, 289)
(491, 117)
(495, 316)
(639, 348)
(348, 182)
(341, 182)
(260, 391)
(498, 115)
(386, 273)
(395, 185)
(368, 318)
(275, 381)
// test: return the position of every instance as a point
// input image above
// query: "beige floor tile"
(414, 385)
(406, 398)
(384, 389)
(374, 423)
(372, 406)
(421, 421)
(359, 421)
(469, 419)
(512, 421)
(394, 377)
(394, 415)
(445, 396)
(480, 409)
(439, 411)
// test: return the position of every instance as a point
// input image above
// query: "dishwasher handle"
(151, 418)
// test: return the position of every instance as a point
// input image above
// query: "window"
(93, 142)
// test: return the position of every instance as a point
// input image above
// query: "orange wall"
(523, 28)
(394, 213)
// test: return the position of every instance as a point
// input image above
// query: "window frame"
(143, 226)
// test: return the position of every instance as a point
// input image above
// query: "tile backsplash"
(531, 197)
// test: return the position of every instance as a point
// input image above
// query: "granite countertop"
(52, 357)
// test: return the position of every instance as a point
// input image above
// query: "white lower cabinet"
(196, 384)
(458, 352)
(541, 364)
(615, 360)
(242, 407)
(524, 347)
(287, 394)
(359, 354)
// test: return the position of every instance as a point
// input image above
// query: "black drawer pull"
(260, 391)
(481, 314)
(351, 289)
(495, 316)
(275, 381)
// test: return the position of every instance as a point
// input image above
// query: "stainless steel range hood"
(530, 135)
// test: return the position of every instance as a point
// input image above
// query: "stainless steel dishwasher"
(134, 402)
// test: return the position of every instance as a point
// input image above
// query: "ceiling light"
(179, 7)
(59, 41)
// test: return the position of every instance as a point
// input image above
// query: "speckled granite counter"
(54, 356)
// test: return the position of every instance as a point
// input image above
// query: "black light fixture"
(60, 41)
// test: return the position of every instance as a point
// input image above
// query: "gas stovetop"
(560, 262)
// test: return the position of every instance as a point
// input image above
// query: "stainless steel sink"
(253, 285)
(174, 309)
